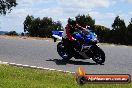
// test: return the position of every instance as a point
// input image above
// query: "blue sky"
(103, 11)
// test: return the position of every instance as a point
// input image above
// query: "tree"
(57, 26)
(34, 27)
(118, 31)
(129, 33)
(6, 6)
(27, 23)
(37, 27)
(84, 20)
(45, 27)
(118, 24)
(103, 33)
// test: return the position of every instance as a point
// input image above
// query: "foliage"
(12, 33)
(102, 32)
(6, 6)
(119, 34)
(119, 31)
(22, 34)
(129, 33)
(37, 27)
(85, 20)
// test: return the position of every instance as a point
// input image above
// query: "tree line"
(37, 27)
(119, 34)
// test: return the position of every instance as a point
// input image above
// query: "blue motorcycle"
(86, 41)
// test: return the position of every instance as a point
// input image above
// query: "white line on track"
(21, 65)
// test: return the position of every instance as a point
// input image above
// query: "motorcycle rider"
(69, 30)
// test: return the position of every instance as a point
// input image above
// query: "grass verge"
(17, 77)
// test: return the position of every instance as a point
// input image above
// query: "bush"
(22, 34)
(12, 33)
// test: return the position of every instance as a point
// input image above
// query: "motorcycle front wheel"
(98, 55)
(63, 52)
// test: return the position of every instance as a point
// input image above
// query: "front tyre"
(63, 52)
(99, 56)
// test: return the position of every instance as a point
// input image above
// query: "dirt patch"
(24, 37)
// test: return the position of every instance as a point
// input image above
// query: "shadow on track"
(62, 62)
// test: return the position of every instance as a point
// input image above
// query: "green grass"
(17, 77)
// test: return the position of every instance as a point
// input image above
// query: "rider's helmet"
(72, 22)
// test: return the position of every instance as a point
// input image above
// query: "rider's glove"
(73, 39)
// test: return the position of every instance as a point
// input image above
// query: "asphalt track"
(43, 53)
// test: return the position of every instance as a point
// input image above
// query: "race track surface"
(43, 53)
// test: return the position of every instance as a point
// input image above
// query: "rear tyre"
(63, 52)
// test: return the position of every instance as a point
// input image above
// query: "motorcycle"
(86, 40)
